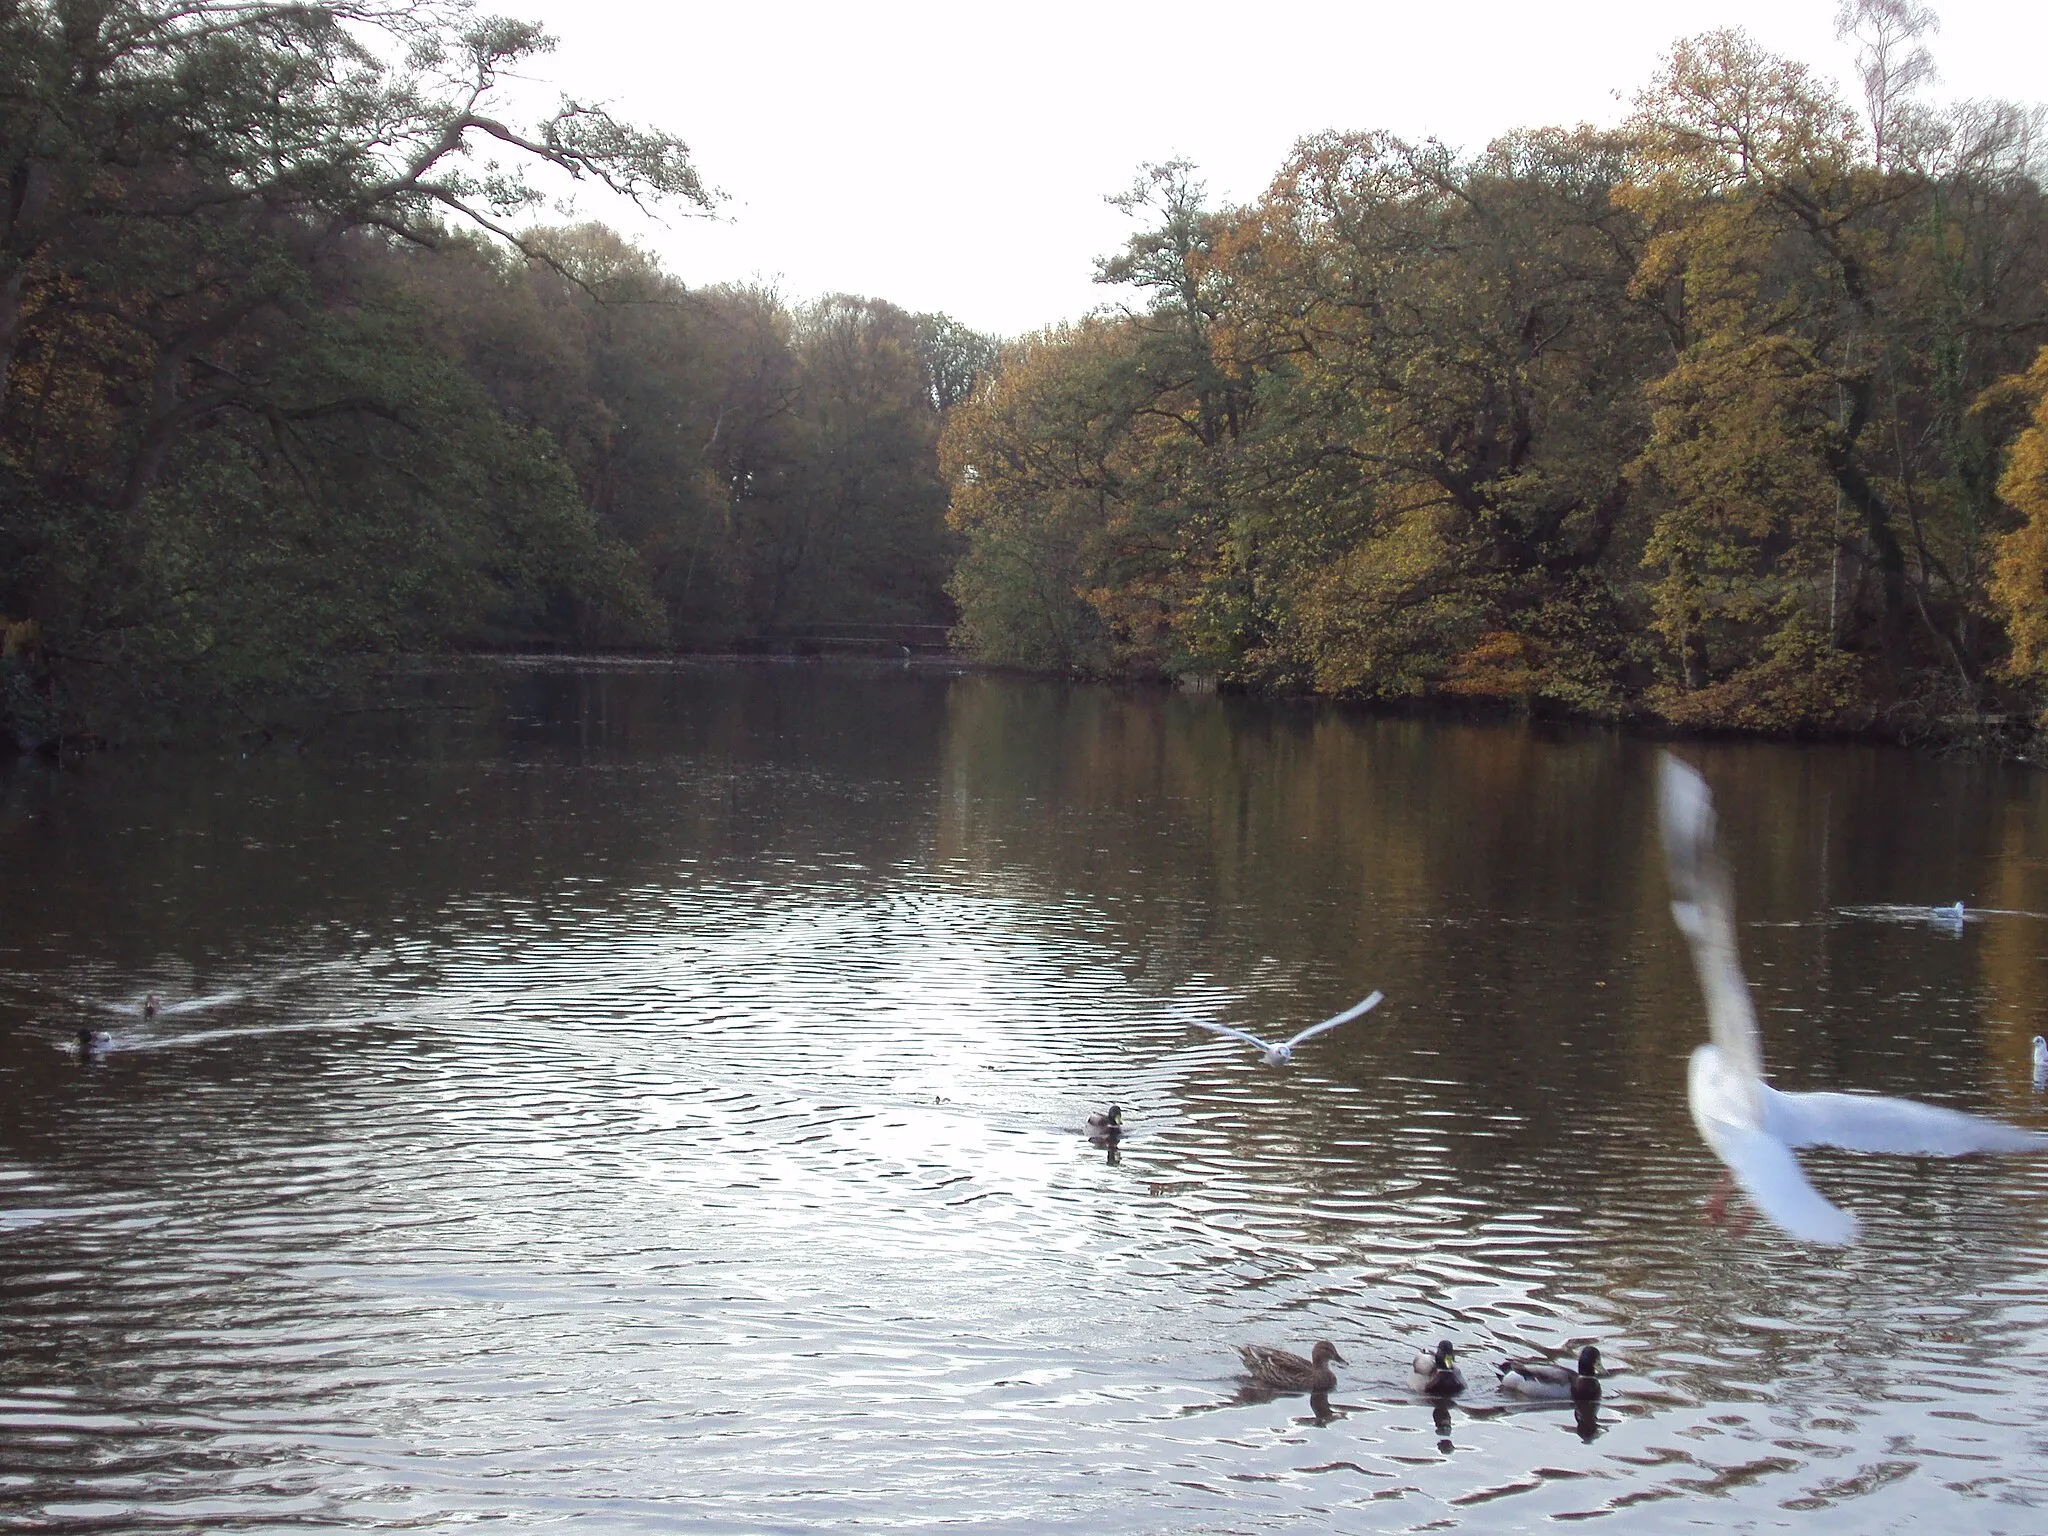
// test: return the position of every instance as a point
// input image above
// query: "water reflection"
(659, 1095)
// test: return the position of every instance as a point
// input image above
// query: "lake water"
(640, 1098)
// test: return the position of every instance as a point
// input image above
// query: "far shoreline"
(2002, 738)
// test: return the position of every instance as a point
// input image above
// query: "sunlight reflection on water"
(685, 1126)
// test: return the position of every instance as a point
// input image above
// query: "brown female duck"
(1281, 1370)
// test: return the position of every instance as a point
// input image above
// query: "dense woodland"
(291, 388)
(1733, 416)
(1723, 418)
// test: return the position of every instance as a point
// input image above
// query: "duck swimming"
(151, 1006)
(91, 1040)
(1282, 1370)
(1106, 1125)
(1546, 1378)
(1436, 1371)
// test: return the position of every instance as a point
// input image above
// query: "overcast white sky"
(953, 157)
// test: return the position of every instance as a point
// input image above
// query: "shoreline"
(2005, 738)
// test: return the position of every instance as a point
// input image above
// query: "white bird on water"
(1751, 1126)
(2040, 1063)
(1279, 1055)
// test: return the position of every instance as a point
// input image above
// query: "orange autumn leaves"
(1668, 421)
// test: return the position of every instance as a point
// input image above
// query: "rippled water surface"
(645, 1098)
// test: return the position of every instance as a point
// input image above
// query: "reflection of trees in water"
(2015, 978)
(1511, 1123)
(1292, 859)
(521, 782)
(1503, 885)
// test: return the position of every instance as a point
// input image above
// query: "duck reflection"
(1106, 1130)
(1251, 1394)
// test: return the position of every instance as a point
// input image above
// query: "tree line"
(1731, 417)
(1735, 415)
(289, 386)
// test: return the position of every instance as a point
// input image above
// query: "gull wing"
(1225, 1029)
(1704, 908)
(1868, 1122)
(1345, 1017)
(1772, 1178)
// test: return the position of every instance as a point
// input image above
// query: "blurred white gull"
(1279, 1055)
(2040, 1063)
(1751, 1126)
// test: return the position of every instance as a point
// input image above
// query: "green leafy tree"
(204, 196)
(1033, 458)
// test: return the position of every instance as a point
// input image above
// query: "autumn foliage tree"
(2019, 583)
(1675, 420)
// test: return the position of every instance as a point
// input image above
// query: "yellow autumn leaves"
(1676, 420)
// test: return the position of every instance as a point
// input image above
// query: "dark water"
(650, 1098)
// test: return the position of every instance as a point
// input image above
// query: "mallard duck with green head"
(1106, 1125)
(1546, 1378)
(1282, 1370)
(1436, 1372)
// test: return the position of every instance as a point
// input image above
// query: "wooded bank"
(1732, 417)
(288, 388)
(1735, 416)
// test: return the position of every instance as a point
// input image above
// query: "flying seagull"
(1279, 1055)
(1751, 1126)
